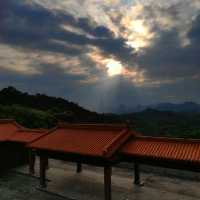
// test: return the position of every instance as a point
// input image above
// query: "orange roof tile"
(26, 135)
(89, 140)
(7, 129)
(163, 149)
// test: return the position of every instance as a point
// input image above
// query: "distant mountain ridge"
(182, 107)
(172, 107)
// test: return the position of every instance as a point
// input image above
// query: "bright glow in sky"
(113, 67)
(139, 35)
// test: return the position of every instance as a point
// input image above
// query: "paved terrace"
(65, 183)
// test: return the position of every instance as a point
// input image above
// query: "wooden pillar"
(31, 162)
(47, 163)
(107, 182)
(79, 168)
(137, 173)
(43, 162)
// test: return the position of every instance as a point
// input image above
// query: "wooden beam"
(31, 162)
(43, 162)
(136, 173)
(107, 182)
(70, 157)
(79, 167)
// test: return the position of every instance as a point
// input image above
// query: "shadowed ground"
(66, 184)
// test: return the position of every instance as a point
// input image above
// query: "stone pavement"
(66, 184)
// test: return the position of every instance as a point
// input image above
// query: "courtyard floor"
(65, 183)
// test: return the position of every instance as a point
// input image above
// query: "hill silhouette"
(12, 96)
(42, 110)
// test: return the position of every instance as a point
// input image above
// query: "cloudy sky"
(102, 53)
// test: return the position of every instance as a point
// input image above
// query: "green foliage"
(54, 106)
(28, 117)
(170, 124)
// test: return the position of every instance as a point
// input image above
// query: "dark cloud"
(167, 58)
(34, 27)
(194, 33)
(53, 81)
(172, 69)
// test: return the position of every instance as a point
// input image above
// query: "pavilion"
(103, 145)
(107, 145)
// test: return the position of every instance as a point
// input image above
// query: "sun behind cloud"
(114, 67)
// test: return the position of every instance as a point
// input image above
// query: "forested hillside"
(40, 110)
(164, 123)
(10, 96)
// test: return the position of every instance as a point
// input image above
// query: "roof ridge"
(32, 130)
(115, 144)
(95, 125)
(13, 121)
(45, 134)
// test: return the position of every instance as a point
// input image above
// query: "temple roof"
(11, 131)
(89, 140)
(105, 140)
(8, 127)
(170, 149)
